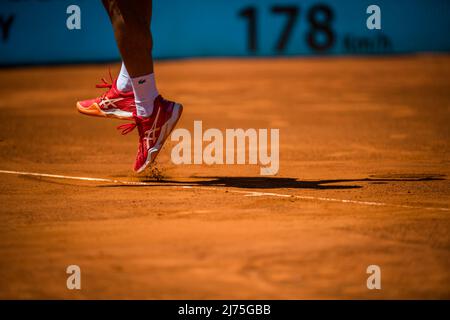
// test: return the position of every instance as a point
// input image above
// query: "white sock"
(123, 80)
(145, 93)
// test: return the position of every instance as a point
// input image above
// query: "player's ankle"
(145, 93)
(123, 82)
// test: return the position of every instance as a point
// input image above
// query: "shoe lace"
(150, 135)
(105, 84)
(127, 127)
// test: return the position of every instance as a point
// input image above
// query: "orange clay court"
(363, 180)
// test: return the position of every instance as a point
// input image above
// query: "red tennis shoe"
(153, 131)
(112, 104)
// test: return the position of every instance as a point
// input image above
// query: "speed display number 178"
(320, 36)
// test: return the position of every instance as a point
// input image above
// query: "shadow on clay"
(281, 182)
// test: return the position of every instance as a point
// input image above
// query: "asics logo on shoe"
(107, 103)
(150, 135)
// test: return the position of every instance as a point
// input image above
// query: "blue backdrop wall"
(35, 31)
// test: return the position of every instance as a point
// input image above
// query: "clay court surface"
(364, 169)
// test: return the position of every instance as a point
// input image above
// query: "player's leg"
(119, 101)
(124, 78)
(131, 24)
(155, 117)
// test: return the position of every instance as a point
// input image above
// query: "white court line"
(245, 193)
(57, 176)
